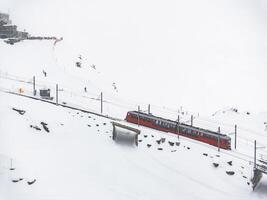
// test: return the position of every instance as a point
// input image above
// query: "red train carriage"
(158, 123)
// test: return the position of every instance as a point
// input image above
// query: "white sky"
(203, 55)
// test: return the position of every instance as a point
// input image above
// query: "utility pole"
(255, 150)
(34, 90)
(101, 102)
(235, 134)
(219, 131)
(191, 120)
(178, 125)
(138, 118)
(148, 110)
(56, 94)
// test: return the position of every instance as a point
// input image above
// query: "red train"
(166, 125)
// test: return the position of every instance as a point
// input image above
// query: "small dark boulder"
(17, 180)
(36, 128)
(177, 143)
(215, 164)
(205, 154)
(45, 126)
(230, 173)
(171, 143)
(148, 145)
(160, 149)
(31, 182)
(21, 112)
(158, 141)
(145, 136)
(230, 163)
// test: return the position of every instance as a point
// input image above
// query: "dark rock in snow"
(152, 135)
(244, 177)
(78, 64)
(217, 155)
(88, 125)
(160, 149)
(97, 124)
(148, 145)
(215, 164)
(36, 128)
(177, 143)
(139, 140)
(17, 180)
(230, 163)
(158, 141)
(230, 173)
(188, 148)
(104, 124)
(171, 143)
(31, 182)
(145, 136)
(45, 126)
(173, 151)
(163, 140)
(205, 154)
(21, 112)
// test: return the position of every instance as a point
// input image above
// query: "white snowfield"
(49, 152)
(77, 158)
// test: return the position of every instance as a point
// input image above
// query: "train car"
(181, 129)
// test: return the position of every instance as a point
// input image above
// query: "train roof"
(181, 124)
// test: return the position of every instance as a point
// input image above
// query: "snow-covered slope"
(215, 50)
(172, 55)
(78, 159)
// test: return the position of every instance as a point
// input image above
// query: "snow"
(76, 161)
(158, 59)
